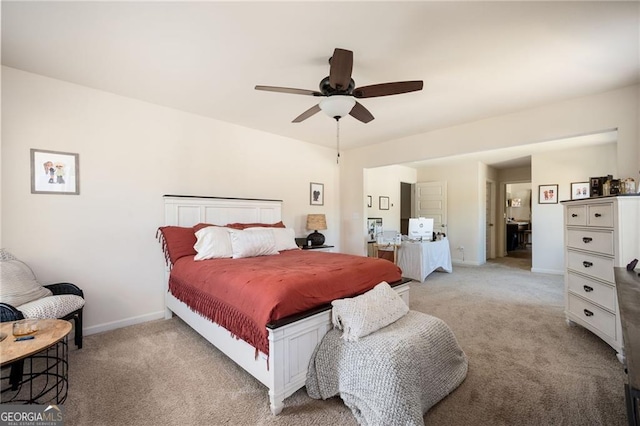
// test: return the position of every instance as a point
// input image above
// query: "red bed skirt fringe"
(221, 313)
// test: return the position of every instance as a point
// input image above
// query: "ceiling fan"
(340, 93)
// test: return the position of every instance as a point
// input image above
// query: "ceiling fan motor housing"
(327, 90)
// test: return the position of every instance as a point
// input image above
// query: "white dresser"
(600, 233)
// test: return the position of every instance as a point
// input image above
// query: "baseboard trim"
(122, 323)
(547, 271)
(465, 262)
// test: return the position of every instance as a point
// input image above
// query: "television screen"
(421, 228)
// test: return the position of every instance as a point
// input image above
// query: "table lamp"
(315, 222)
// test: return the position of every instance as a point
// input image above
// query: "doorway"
(406, 206)
(518, 229)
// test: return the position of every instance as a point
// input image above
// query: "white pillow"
(362, 315)
(285, 237)
(213, 242)
(257, 242)
(19, 285)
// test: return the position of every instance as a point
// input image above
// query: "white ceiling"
(477, 59)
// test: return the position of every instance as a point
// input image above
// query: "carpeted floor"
(526, 366)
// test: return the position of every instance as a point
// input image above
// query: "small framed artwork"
(579, 190)
(369, 201)
(54, 172)
(374, 227)
(547, 194)
(384, 203)
(316, 194)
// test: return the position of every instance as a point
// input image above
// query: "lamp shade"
(337, 105)
(316, 221)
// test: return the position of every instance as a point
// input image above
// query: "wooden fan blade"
(308, 113)
(340, 69)
(359, 112)
(289, 90)
(386, 89)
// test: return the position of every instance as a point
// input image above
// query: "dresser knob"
(597, 215)
(588, 313)
(588, 289)
(587, 240)
(574, 215)
(587, 264)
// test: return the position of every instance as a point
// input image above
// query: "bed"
(279, 351)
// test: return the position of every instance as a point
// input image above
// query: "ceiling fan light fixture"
(337, 106)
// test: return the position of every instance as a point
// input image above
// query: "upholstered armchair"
(23, 297)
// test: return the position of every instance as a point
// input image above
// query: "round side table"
(35, 371)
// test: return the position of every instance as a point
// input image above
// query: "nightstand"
(323, 247)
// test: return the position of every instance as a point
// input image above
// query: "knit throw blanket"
(392, 376)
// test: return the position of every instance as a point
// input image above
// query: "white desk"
(417, 260)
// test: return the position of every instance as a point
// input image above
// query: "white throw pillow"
(257, 242)
(52, 307)
(362, 315)
(285, 237)
(19, 284)
(213, 242)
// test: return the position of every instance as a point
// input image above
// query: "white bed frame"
(283, 371)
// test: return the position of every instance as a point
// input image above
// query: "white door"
(489, 217)
(431, 201)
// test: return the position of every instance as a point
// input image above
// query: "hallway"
(520, 258)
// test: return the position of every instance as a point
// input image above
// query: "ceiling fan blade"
(386, 89)
(359, 112)
(289, 90)
(340, 69)
(308, 113)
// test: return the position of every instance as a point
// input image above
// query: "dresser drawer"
(576, 215)
(592, 265)
(602, 294)
(596, 241)
(600, 215)
(593, 315)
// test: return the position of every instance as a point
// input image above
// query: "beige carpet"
(526, 366)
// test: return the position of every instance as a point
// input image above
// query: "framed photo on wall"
(580, 190)
(547, 194)
(384, 203)
(316, 194)
(369, 201)
(54, 172)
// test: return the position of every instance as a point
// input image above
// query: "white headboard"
(186, 210)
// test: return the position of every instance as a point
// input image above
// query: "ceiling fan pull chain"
(338, 138)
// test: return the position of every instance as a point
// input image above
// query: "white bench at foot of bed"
(284, 370)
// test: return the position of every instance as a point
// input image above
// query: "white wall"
(562, 168)
(515, 174)
(617, 109)
(465, 222)
(131, 153)
(385, 181)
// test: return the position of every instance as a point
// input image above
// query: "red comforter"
(244, 295)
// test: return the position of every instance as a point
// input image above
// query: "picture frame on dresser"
(580, 190)
(548, 194)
